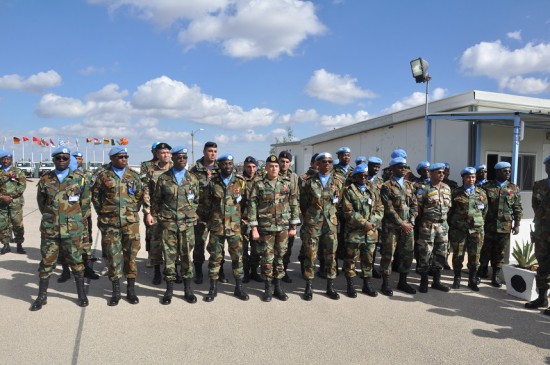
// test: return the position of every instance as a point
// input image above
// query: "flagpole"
(23, 148)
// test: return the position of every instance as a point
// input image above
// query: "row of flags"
(43, 142)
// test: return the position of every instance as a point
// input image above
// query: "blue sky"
(244, 70)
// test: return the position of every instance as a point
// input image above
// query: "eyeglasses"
(62, 158)
(326, 161)
(121, 157)
(180, 157)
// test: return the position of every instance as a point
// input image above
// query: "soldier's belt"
(434, 220)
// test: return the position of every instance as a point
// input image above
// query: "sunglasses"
(326, 161)
(180, 157)
(62, 158)
(121, 157)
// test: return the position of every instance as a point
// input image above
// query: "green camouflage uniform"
(433, 234)
(504, 208)
(293, 180)
(251, 259)
(345, 177)
(301, 184)
(541, 207)
(319, 230)
(360, 208)
(223, 208)
(63, 207)
(175, 207)
(451, 183)
(201, 231)
(12, 183)
(117, 202)
(466, 218)
(87, 238)
(400, 205)
(273, 207)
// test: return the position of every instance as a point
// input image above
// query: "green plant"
(524, 255)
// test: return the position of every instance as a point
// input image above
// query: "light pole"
(193, 144)
(419, 68)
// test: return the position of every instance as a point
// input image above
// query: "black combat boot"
(42, 298)
(131, 292)
(386, 289)
(308, 293)
(541, 301)
(279, 292)
(496, 277)
(65, 275)
(456, 280)
(239, 291)
(221, 275)
(179, 279)
(198, 273)
(267, 292)
(115, 297)
(472, 282)
(423, 283)
(88, 271)
(350, 289)
(20, 249)
(286, 278)
(254, 274)
(167, 297)
(436, 284)
(212, 292)
(5, 249)
(82, 298)
(403, 285)
(157, 277)
(367, 288)
(188, 292)
(332, 294)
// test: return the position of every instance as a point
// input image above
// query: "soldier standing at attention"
(466, 218)
(251, 260)
(481, 174)
(63, 198)
(400, 210)
(117, 195)
(320, 197)
(342, 170)
(174, 204)
(302, 179)
(145, 164)
(222, 205)
(273, 216)
(541, 207)
(152, 229)
(374, 164)
(12, 186)
(504, 209)
(363, 212)
(205, 168)
(142, 173)
(450, 183)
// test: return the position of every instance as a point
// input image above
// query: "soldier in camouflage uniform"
(205, 168)
(251, 261)
(541, 237)
(363, 211)
(312, 171)
(504, 210)
(117, 195)
(343, 171)
(466, 218)
(174, 204)
(451, 183)
(273, 214)
(320, 197)
(63, 198)
(222, 205)
(424, 178)
(153, 231)
(400, 210)
(142, 172)
(374, 164)
(481, 174)
(12, 186)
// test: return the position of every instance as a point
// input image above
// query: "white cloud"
(337, 121)
(299, 116)
(415, 99)
(34, 83)
(335, 88)
(52, 105)
(248, 136)
(109, 92)
(514, 35)
(243, 28)
(498, 62)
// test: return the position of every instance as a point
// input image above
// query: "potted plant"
(520, 278)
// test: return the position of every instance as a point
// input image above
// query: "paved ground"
(458, 327)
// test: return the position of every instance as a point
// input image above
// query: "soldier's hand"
(515, 230)
(149, 220)
(406, 227)
(292, 232)
(369, 227)
(6, 199)
(255, 234)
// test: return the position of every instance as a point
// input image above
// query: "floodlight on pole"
(193, 144)
(419, 68)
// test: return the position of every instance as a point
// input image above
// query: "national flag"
(106, 140)
(36, 140)
(25, 139)
(43, 143)
(124, 141)
(76, 142)
(16, 140)
(113, 142)
(97, 141)
(88, 140)
(51, 142)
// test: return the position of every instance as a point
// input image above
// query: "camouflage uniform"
(504, 207)
(453, 185)
(301, 184)
(87, 238)
(345, 177)
(273, 206)
(117, 202)
(63, 207)
(174, 206)
(541, 207)
(252, 259)
(222, 205)
(293, 180)
(360, 208)
(320, 224)
(13, 184)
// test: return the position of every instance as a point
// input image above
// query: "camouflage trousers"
(272, 247)
(392, 239)
(215, 249)
(177, 242)
(121, 245)
(67, 247)
(494, 245)
(363, 251)
(87, 238)
(288, 253)
(251, 254)
(153, 235)
(542, 253)
(341, 249)
(201, 237)
(11, 219)
(466, 241)
(433, 238)
(319, 236)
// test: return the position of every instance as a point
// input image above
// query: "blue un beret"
(226, 157)
(323, 155)
(360, 159)
(547, 160)
(359, 169)
(468, 171)
(154, 145)
(502, 165)
(343, 150)
(399, 153)
(4, 153)
(117, 149)
(397, 161)
(61, 149)
(76, 154)
(73, 164)
(422, 165)
(375, 160)
(178, 150)
(437, 166)
(481, 167)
